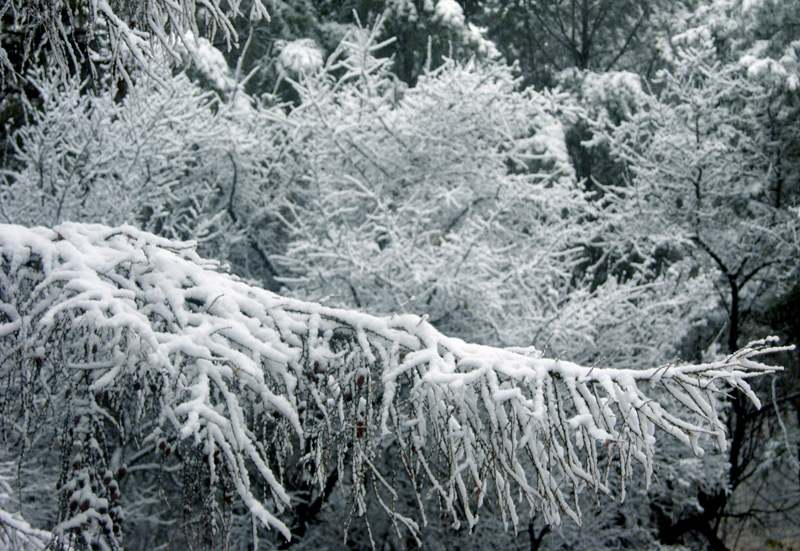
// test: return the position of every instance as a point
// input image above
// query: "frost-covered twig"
(16, 534)
(150, 345)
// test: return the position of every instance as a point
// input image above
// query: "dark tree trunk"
(536, 541)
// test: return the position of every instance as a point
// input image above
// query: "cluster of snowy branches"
(454, 194)
(115, 33)
(463, 181)
(170, 158)
(125, 354)
(456, 197)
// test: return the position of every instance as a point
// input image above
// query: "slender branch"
(720, 263)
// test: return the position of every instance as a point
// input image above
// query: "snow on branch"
(131, 28)
(17, 534)
(161, 350)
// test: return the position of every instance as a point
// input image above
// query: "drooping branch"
(132, 28)
(128, 318)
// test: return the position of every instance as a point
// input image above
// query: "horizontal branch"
(227, 362)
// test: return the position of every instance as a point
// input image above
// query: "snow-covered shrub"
(169, 158)
(456, 197)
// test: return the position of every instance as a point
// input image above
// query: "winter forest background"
(466, 274)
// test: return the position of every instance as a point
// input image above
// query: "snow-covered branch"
(17, 534)
(130, 28)
(117, 342)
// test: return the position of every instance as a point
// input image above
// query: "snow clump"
(300, 57)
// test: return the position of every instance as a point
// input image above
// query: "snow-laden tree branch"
(126, 351)
(16, 534)
(128, 30)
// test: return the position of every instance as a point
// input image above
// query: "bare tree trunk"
(536, 541)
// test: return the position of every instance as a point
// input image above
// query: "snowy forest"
(400, 274)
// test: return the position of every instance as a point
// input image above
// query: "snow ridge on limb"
(167, 354)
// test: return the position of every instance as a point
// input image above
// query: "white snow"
(449, 13)
(299, 57)
(209, 61)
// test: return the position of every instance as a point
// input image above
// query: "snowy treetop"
(147, 329)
